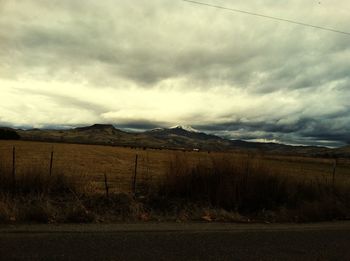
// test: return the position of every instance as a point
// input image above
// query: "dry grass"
(93, 161)
(173, 185)
(250, 186)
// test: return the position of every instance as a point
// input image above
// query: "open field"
(180, 184)
(92, 161)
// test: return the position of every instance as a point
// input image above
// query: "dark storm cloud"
(140, 125)
(255, 78)
(146, 46)
(317, 131)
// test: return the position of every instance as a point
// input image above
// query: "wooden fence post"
(14, 170)
(106, 185)
(334, 171)
(51, 163)
(135, 177)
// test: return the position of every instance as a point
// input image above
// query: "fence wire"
(93, 163)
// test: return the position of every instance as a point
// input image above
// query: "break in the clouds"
(147, 63)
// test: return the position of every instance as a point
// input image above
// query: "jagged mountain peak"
(184, 127)
(181, 132)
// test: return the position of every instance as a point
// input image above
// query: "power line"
(269, 17)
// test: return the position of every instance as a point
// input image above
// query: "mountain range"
(177, 137)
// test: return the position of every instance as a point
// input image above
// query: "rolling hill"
(178, 137)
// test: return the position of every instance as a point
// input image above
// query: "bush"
(247, 185)
(37, 182)
(38, 210)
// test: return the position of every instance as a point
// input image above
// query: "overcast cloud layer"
(149, 63)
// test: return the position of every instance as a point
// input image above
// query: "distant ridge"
(8, 134)
(177, 137)
(97, 127)
(182, 131)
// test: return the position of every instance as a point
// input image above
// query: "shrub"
(247, 185)
(36, 181)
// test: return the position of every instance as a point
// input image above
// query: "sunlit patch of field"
(92, 161)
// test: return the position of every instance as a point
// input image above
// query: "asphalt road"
(324, 241)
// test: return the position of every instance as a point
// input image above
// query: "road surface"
(191, 241)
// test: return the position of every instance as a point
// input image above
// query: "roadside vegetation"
(250, 188)
(221, 187)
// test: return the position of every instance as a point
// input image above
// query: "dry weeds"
(171, 185)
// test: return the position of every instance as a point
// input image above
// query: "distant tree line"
(6, 134)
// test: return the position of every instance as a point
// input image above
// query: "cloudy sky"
(156, 63)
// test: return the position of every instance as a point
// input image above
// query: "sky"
(157, 63)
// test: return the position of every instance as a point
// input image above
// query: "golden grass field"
(92, 161)
(171, 185)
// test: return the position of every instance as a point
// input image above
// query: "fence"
(106, 172)
(113, 169)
